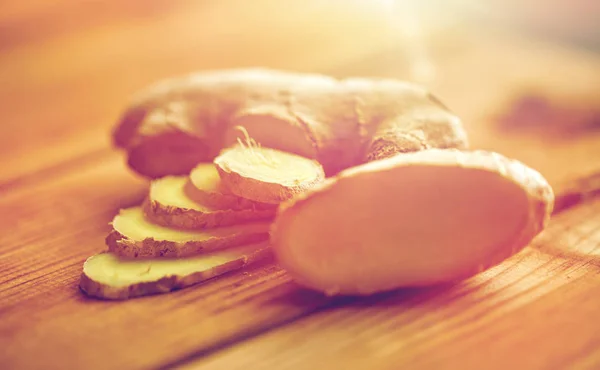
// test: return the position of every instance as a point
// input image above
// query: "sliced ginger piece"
(415, 219)
(134, 235)
(168, 205)
(109, 276)
(266, 175)
(208, 189)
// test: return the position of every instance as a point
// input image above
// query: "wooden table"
(67, 71)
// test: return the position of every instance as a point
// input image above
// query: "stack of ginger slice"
(415, 219)
(193, 228)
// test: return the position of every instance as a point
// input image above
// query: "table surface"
(68, 70)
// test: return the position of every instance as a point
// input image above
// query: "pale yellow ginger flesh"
(109, 276)
(169, 205)
(135, 236)
(415, 219)
(266, 175)
(206, 178)
(208, 189)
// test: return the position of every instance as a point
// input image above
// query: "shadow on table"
(304, 297)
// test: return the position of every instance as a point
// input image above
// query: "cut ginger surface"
(169, 205)
(109, 276)
(415, 219)
(267, 175)
(134, 235)
(208, 189)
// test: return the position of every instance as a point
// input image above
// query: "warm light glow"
(406, 17)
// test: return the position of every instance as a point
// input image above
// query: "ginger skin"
(134, 236)
(107, 276)
(180, 122)
(169, 205)
(205, 187)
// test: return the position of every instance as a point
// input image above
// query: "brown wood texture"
(530, 312)
(67, 70)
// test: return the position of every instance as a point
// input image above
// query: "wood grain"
(56, 229)
(62, 93)
(67, 71)
(483, 75)
(520, 314)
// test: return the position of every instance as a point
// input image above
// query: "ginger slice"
(266, 175)
(134, 235)
(209, 190)
(168, 205)
(414, 219)
(109, 276)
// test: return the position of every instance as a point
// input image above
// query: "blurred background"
(524, 75)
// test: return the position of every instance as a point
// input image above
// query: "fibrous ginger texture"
(172, 126)
(208, 189)
(267, 175)
(415, 219)
(169, 205)
(135, 236)
(109, 276)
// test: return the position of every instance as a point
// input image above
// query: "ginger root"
(266, 175)
(419, 212)
(180, 122)
(135, 236)
(415, 219)
(109, 276)
(208, 189)
(168, 205)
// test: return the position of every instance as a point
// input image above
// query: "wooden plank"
(66, 106)
(537, 310)
(60, 184)
(54, 230)
(527, 98)
(84, 84)
(49, 230)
